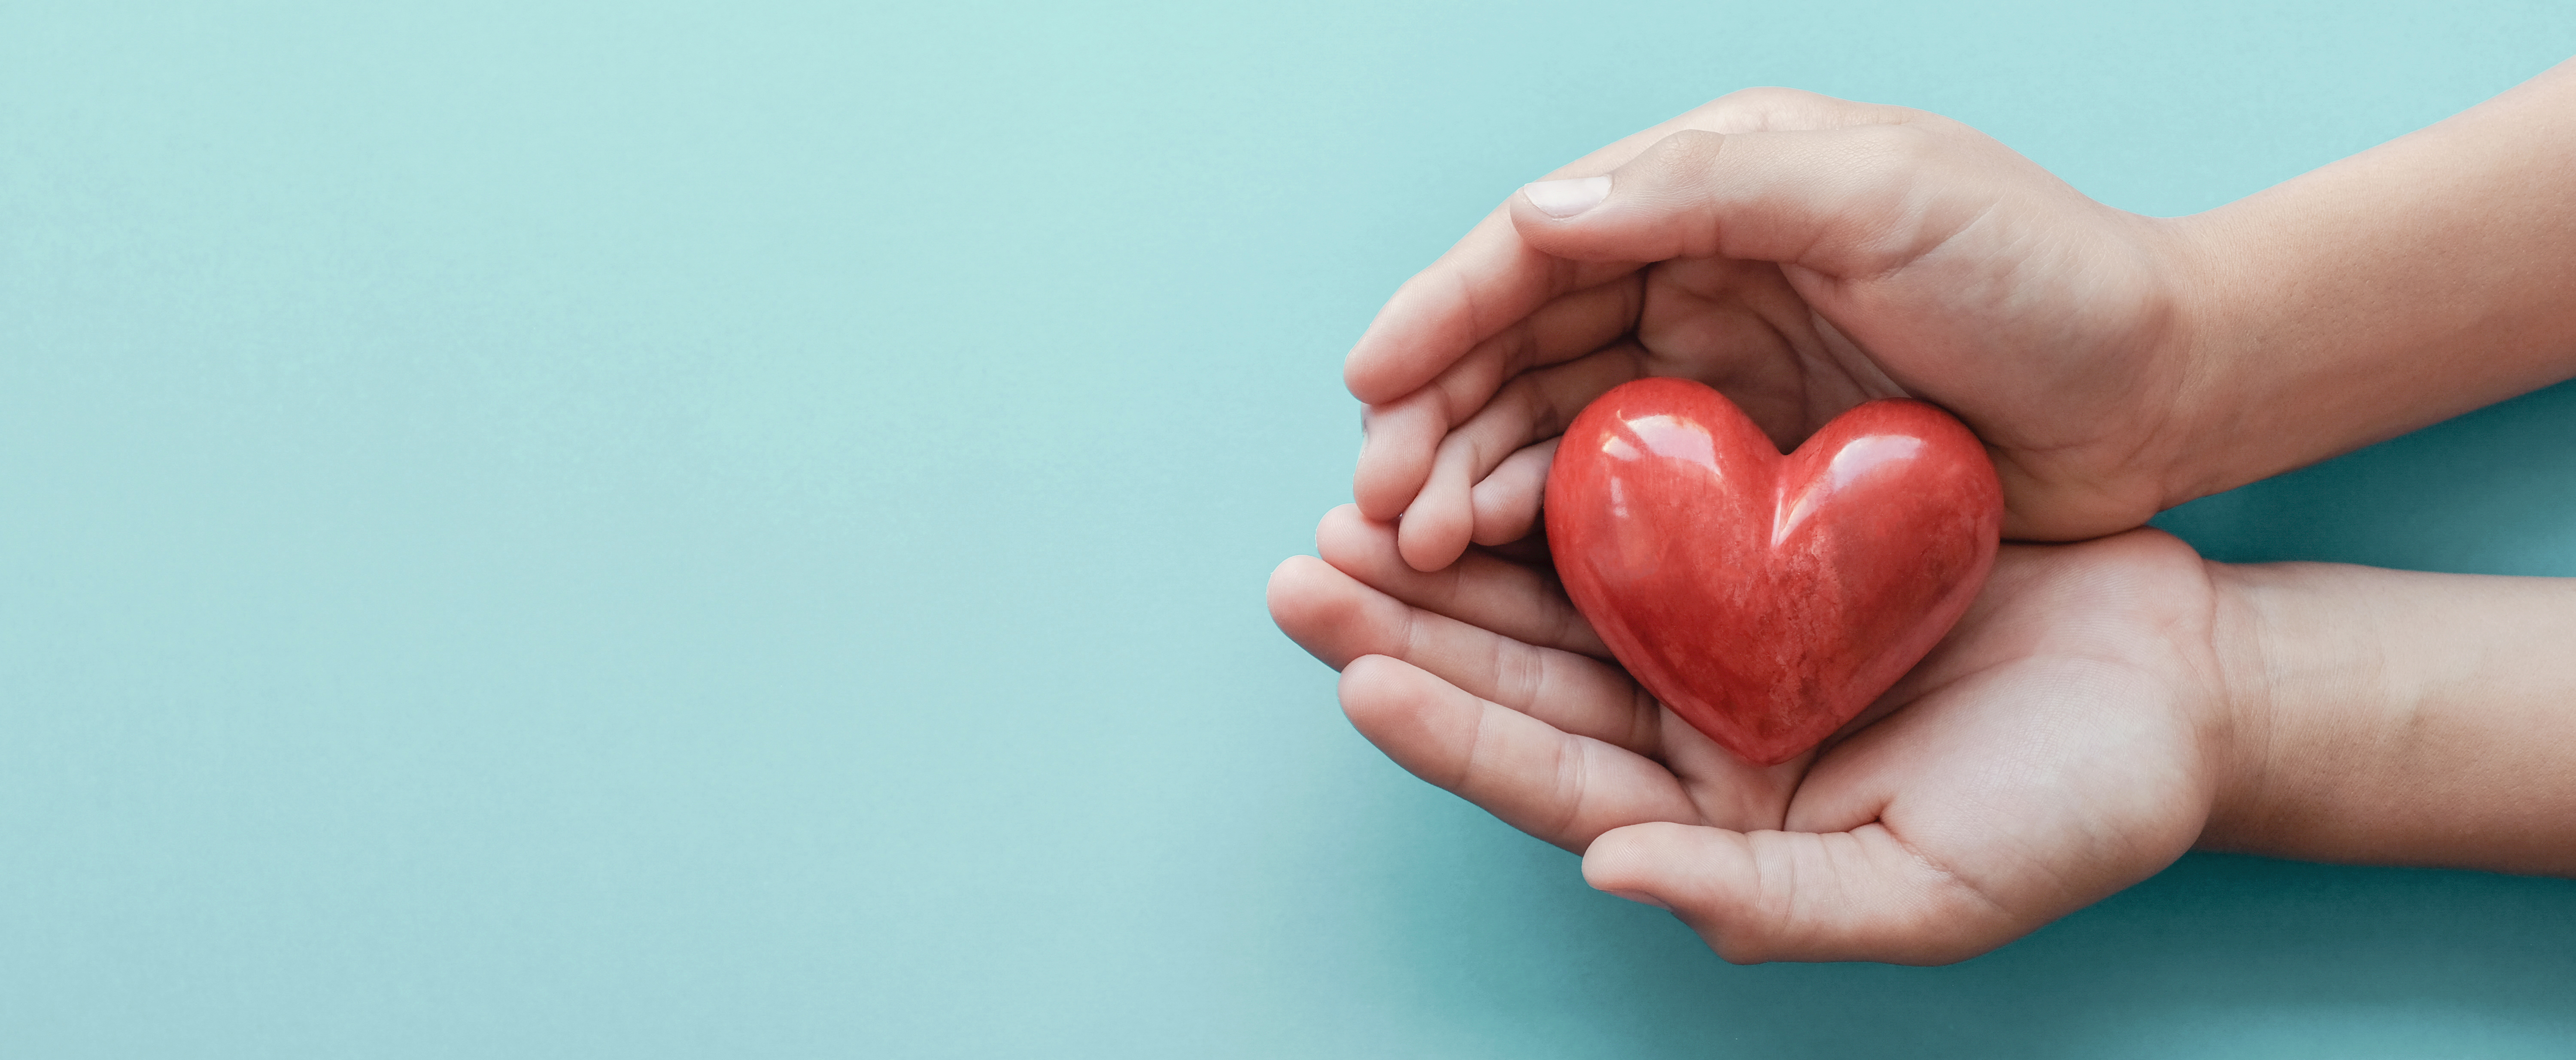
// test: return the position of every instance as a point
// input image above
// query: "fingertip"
(1390, 359)
(1374, 692)
(1437, 526)
(1360, 373)
(1347, 537)
(1506, 506)
(1687, 870)
(1279, 576)
(1536, 226)
(1370, 670)
(1567, 235)
(1630, 858)
(1332, 615)
(1364, 368)
(1495, 533)
(1425, 724)
(1295, 596)
(1567, 197)
(1383, 504)
(1337, 517)
(1620, 862)
(1433, 536)
(1426, 325)
(1366, 373)
(1396, 458)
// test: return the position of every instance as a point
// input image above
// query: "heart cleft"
(1768, 599)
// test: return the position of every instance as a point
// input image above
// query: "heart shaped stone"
(1768, 599)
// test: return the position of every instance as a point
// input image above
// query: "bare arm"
(2410, 283)
(2108, 704)
(1804, 254)
(2397, 717)
(2105, 707)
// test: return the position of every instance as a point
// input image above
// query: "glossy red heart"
(1768, 599)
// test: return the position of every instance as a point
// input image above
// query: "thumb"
(1854, 201)
(1801, 896)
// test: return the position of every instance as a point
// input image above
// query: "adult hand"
(2066, 740)
(1801, 254)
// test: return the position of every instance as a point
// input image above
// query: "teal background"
(738, 530)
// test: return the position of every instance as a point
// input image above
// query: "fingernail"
(1565, 198)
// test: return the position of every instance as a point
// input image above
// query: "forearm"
(2407, 284)
(2398, 717)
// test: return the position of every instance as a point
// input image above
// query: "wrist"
(2213, 440)
(2394, 717)
(2247, 652)
(2394, 289)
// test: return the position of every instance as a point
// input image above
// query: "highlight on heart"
(1766, 598)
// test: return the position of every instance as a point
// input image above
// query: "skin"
(2102, 709)
(1804, 254)
(2106, 705)
(2030, 766)
(2401, 718)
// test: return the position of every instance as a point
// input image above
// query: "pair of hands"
(1802, 255)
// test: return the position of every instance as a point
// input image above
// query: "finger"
(1337, 619)
(1802, 896)
(1855, 201)
(1729, 791)
(1512, 600)
(1507, 502)
(1402, 434)
(1441, 520)
(1397, 441)
(1493, 277)
(1490, 281)
(1560, 787)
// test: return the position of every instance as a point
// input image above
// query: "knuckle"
(1468, 765)
(1904, 146)
(1774, 109)
(1572, 786)
(1687, 151)
(1763, 105)
(1527, 676)
(1769, 96)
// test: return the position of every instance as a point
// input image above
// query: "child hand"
(1802, 254)
(2067, 740)
(2081, 726)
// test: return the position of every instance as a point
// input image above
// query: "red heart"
(1768, 599)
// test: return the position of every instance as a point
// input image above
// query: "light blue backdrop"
(638, 530)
